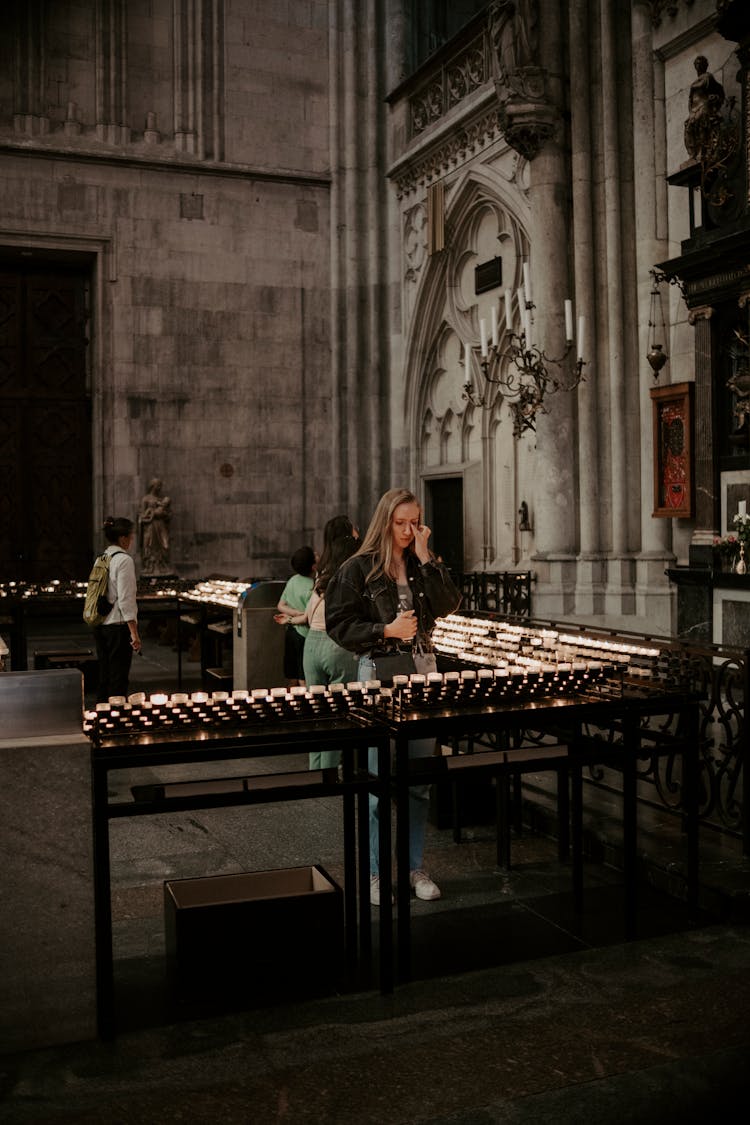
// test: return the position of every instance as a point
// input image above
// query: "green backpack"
(97, 605)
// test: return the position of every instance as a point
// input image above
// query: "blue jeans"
(325, 662)
(419, 795)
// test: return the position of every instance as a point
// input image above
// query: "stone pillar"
(531, 99)
(654, 598)
(359, 239)
(30, 72)
(619, 593)
(111, 72)
(197, 80)
(591, 566)
(556, 485)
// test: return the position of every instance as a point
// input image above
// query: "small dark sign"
(488, 275)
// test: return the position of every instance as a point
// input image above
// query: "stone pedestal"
(730, 609)
(554, 594)
(48, 982)
(655, 599)
(590, 589)
(619, 598)
(694, 603)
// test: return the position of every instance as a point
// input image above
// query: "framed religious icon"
(673, 450)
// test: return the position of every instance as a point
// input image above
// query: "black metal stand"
(348, 735)
(550, 715)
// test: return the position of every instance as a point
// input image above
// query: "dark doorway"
(45, 422)
(444, 512)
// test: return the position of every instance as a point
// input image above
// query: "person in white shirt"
(117, 637)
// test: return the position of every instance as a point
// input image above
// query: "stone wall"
(185, 159)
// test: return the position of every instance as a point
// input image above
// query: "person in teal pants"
(324, 661)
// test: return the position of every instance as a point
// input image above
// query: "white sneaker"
(424, 887)
(375, 891)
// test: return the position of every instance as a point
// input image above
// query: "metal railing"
(506, 592)
(720, 674)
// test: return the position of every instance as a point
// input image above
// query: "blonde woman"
(387, 598)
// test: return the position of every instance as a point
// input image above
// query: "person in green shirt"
(293, 601)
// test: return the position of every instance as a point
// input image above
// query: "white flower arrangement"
(742, 527)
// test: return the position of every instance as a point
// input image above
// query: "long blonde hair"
(378, 539)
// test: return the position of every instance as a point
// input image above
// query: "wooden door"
(444, 512)
(45, 424)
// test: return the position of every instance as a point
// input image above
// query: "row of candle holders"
(224, 593)
(57, 588)
(217, 591)
(483, 641)
(513, 684)
(139, 715)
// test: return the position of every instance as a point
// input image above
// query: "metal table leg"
(105, 985)
(403, 890)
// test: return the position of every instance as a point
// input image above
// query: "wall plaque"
(488, 275)
(673, 450)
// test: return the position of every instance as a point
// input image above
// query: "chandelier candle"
(569, 322)
(524, 316)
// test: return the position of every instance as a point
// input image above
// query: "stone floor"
(520, 1011)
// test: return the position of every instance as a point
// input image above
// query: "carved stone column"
(198, 79)
(30, 72)
(359, 237)
(111, 72)
(530, 95)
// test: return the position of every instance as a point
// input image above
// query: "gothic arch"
(485, 217)
(444, 307)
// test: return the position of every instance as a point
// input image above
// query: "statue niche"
(527, 119)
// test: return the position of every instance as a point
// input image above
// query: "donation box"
(255, 935)
(258, 653)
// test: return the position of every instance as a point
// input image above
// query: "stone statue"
(515, 35)
(527, 117)
(153, 526)
(705, 100)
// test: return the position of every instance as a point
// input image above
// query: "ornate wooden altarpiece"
(714, 276)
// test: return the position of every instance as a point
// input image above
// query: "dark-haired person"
(117, 637)
(338, 527)
(323, 660)
(293, 600)
(388, 596)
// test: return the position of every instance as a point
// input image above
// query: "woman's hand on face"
(403, 627)
(421, 535)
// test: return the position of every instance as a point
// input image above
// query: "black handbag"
(393, 664)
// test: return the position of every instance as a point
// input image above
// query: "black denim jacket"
(357, 610)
